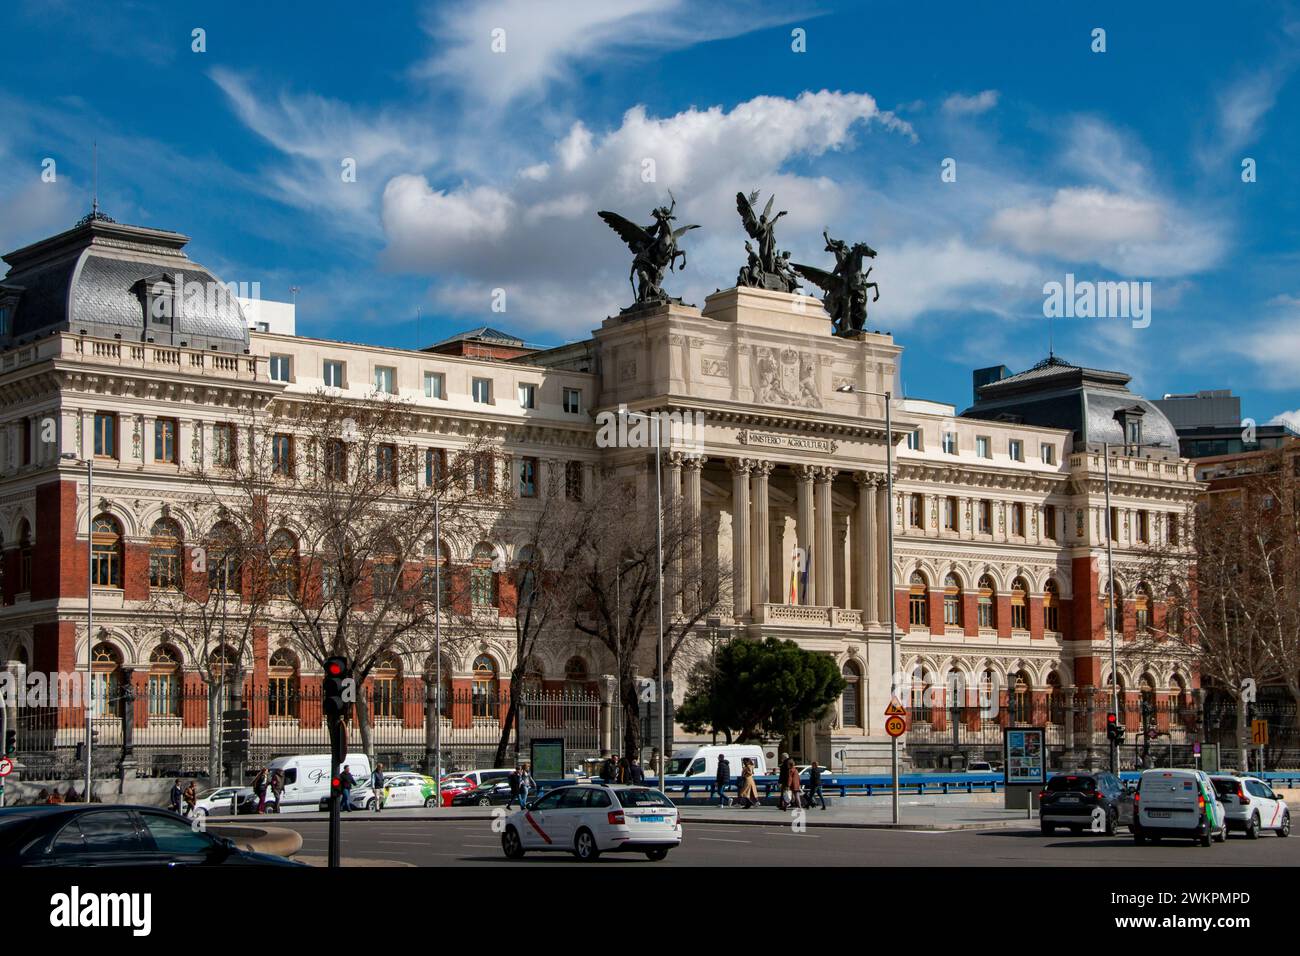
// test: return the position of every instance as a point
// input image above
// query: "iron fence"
(181, 734)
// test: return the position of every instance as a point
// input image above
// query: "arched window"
(920, 695)
(988, 689)
(1022, 699)
(482, 577)
(435, 578)
(165, 682)
(952, 601)
(1142, 608)
(527, 562)
(484, 686)
(106, 552)
(165, 554)
(387, 679)
(1019, 605)
(575, 675)
(282, 673)
(223, 558)
(386, 570)
(284, 564)
(1119, 604)
(851, 698)
(1055, 699)
(105, 681)
(24, 557)
(988, 611)
(918, 606)
(1051, 606)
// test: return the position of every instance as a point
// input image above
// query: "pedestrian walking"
(624, 770)
(793, 785)
(277, 788)
(609, 769)
(526, 785)
(815, 785)
(259, 788)
(747, 793)
(513, 780)
(346, 783)
(191, 797)
(377, 784)
(638, 772)
(174, 800)
(722, 780)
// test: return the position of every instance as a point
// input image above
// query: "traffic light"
(336, 700)
(1114, 729)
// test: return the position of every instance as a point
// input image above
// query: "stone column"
(673, 526)
(694, 514)
(884, 600)
(804, 522)
(824, 566)
(864, 557)
(740, 520)
(762, 590)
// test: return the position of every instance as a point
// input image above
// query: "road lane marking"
(720, 840)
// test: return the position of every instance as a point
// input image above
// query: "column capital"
(675, 459)
(806, 472)
(693, 462)
(740, 466)
(762, 469)
(825, 473)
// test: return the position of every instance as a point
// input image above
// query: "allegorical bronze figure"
(654, 251)
(845, 288)
(766, 268)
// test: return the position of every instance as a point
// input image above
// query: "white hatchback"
(589, 819)
(1251, 805)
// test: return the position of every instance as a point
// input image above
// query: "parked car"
(1076, 800)
(1178, 803)
(219, 800)
(590, 819)
(1251, 805)
(114, 835)
(495, 794)
(979, 766)
(466, 780)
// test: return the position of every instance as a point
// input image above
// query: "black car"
(114, 835)
(1071, 800)
(493, 794)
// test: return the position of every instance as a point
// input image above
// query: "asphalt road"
(473, 843)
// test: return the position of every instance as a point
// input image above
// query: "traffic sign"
(895, 726)
(1259, 733)
(895, 709)
(6, 766)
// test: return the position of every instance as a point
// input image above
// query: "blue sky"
(479, 170)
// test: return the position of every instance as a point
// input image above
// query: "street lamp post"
(437, 655)
(889, 537)
(90, 609)
(1110, 610)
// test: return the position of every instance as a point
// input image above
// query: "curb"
(280, 841)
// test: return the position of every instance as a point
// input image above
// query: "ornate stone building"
(998, 512)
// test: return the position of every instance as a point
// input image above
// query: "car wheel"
(1111, 822)
(1252, 827)
(431, 802)
(485, 801)
(584, 846)
(1206, 838)
(1285, 829)
(370, 804)
(272, 808)
(511, 844)
(656, 855)
(1046, 828)
(200, 811)
(1222, 835)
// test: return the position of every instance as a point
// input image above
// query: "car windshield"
(1224, 787)
(642, 798)
(677, 765)
(1071, 784)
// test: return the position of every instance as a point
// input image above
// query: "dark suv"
(1071, 800)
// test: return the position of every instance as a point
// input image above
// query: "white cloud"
(547, 42)
(1239, 112)
(1291, 419)
(961, 105)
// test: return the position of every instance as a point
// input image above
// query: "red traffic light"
(334, 667)
(334, 782)
(1112, 719)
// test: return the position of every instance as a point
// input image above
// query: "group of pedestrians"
(793, 793)
(268, 783)
(618, 769)
(189, 795)
(347, 783)
(521, 785)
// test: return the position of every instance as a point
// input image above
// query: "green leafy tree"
(756, 688)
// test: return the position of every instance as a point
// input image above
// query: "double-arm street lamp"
(848, 387)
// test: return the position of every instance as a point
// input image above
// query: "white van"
(1178, 803)
(307, 777)
(702, 761)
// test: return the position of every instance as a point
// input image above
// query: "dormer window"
(158, 299)
(1130, 421)
(8, 306)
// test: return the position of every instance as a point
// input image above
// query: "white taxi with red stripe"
(1251, 805)
(590, 819)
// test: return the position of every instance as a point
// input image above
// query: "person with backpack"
(377, 784)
